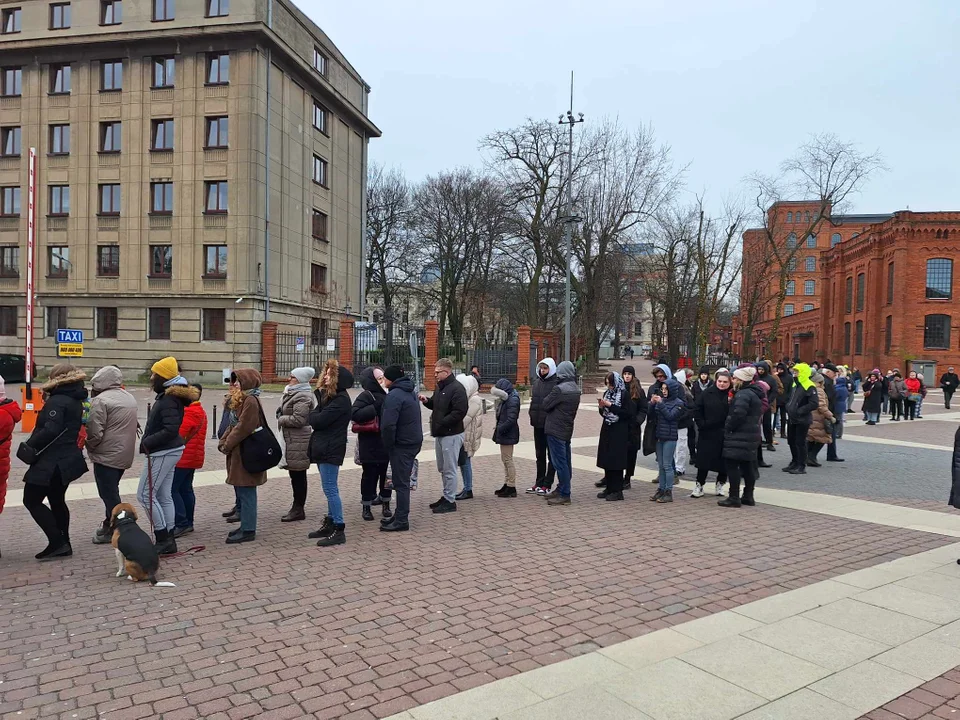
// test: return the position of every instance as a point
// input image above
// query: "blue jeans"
(665, 453)
(328, 481)
(466, 470)
(872, 417)
(184, 500)
(561, 458)
(247, 501)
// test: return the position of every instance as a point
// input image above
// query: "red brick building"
(868, 290)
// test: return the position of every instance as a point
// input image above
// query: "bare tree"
(826, 171)
(388, 237)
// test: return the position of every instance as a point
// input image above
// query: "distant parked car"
(13, 368)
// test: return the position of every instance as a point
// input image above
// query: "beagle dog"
(136, 555)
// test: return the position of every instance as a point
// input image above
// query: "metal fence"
(298, 349)
(387, 343)
(495, 360)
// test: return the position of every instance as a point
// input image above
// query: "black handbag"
(29, 455)
(260, 450)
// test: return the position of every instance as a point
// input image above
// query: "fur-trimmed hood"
(72, 376)
(186, 394)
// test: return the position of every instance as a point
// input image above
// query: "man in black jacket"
(829, 372)
(949, 383)
(449, 405)
(544, 383)
(401, 430)
(561, 407)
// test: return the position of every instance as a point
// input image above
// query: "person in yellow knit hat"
(163, 445)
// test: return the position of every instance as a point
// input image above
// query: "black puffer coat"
(741, 433)
(449, 405)
(62, 413)
(507, 429)
(329, 420)
(562, 403)
(710, 415)
(163, 425)
(367, 406)
(541, 388)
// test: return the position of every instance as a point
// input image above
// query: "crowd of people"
(720, 423)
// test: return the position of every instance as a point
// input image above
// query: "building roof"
(856, 218)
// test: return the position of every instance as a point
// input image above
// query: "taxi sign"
(67, 336)
(70, 350)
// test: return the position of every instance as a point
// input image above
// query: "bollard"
(213, 435)
(148, 410)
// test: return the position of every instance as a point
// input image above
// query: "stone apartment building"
(201, 169)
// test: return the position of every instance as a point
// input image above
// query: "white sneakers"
(697, 491)
(721, 489)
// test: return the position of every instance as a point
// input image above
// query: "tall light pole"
(569, 218)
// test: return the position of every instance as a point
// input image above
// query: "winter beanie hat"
(303, 374)
(393, 373)
(628, 369)
(746, 374)
(166, 368)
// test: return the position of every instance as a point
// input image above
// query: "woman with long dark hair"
(639, 398)
(710, 414)
(618, 412)
(742, 436)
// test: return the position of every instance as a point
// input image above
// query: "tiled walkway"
(934, 700)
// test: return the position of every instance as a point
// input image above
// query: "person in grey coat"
(506, 434)
(561, 407)
(293, 419)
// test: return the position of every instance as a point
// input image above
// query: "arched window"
(859, 338)
(936, 332)
(835, 239)
(811, 240)
(946, 234)
(791, 287)
(792, 264)
(939, 279)
(939, 234)
(791, 241)
(861, 290)
(788, 309)
(846, 338)
(848, 304)
(807, 307)
(789, 217)
(810, 264)
(809, 287)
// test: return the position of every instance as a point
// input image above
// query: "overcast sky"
(732, 86)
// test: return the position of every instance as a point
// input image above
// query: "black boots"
(367, 512)
(241, 536)
(232, 511)
(55, 549)
(731, 501)
(234, 516)
(326, 530)
(387, 513)
(295, 514)
(166, 544)
(337, 537)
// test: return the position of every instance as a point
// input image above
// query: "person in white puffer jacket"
(472, 432)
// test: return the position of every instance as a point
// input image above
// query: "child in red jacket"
(9, 417)
(193, 430)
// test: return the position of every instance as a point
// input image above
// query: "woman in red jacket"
(9, 417)
(193, 430)
(913, 394)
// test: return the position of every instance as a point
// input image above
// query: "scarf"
(615, 396)
(236, 402)
(298, 387)
(178, 380)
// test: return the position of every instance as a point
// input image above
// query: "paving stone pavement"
(935, 700)
(280, 628)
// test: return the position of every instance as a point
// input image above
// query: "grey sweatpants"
(448, 453)
(164, 463)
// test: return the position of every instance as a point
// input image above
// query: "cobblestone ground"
(282, 629)
(935, 700)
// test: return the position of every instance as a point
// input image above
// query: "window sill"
(18, 95)
(208, 339)
(938, 300)
(58, 94)
(57, 277)
(17, 216)
(108, 275)
(9, 277)
(113, 24)
(214, 277)
(54, 29)
(11, 157)
(318, 291)
(58, 154)
(160, 277)
(162, 20)
(216, 147)
(162, 87)
(317, 182)
(58, 215)
(214, 212)
(321, 239)
(108, 152)
(108, 214)
(158, 338)
(110, 91)
(216, 84)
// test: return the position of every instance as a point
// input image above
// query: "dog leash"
(191, 551)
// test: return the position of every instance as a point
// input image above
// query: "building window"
(320, 171)
(936, 332)
(835, 239)
(861, 291)
(888, 332)
(806, 217)
(810, 264)
(59, 139)
(158, 323)
(216, 197)
(11, 20)
(111, 75)
(811, 240)
(161, 135)
(217, 132)
(8, 321)
(57, 319)
(11, 82)
(218, 69)
(791, 287)
(889, 283)
(788, 309)
(58, 261)
(215, 261)
(161, 198)
(809, 287)
(859, 338)
(163, 72)
(9, 261)
(939, 279)
(319, 62)
(110, 199)
(107, 323)
(161, 261)
(162, 10)
(59, 200)
(10, 202)
(791, 241)
(319, 225)
(319, 117)
(59, 16)
(111, 12)
(60, 77)
(848, 304)
(789, 217)
(318, 278)
(214, 324)
(10, 142)
(318, 331)
(792, 264)
(638, 329)
(108, 260)
(807, 307)
(218, 8)
(110, 137)
(846, 338)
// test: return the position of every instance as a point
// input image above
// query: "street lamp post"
(568, 217)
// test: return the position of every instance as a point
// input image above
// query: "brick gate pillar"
(431, 352)
(346, 344)
(524, 335)
(268, 351)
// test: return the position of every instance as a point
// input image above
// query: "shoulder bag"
(28, 455)
(260, 450)
(370, 426)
